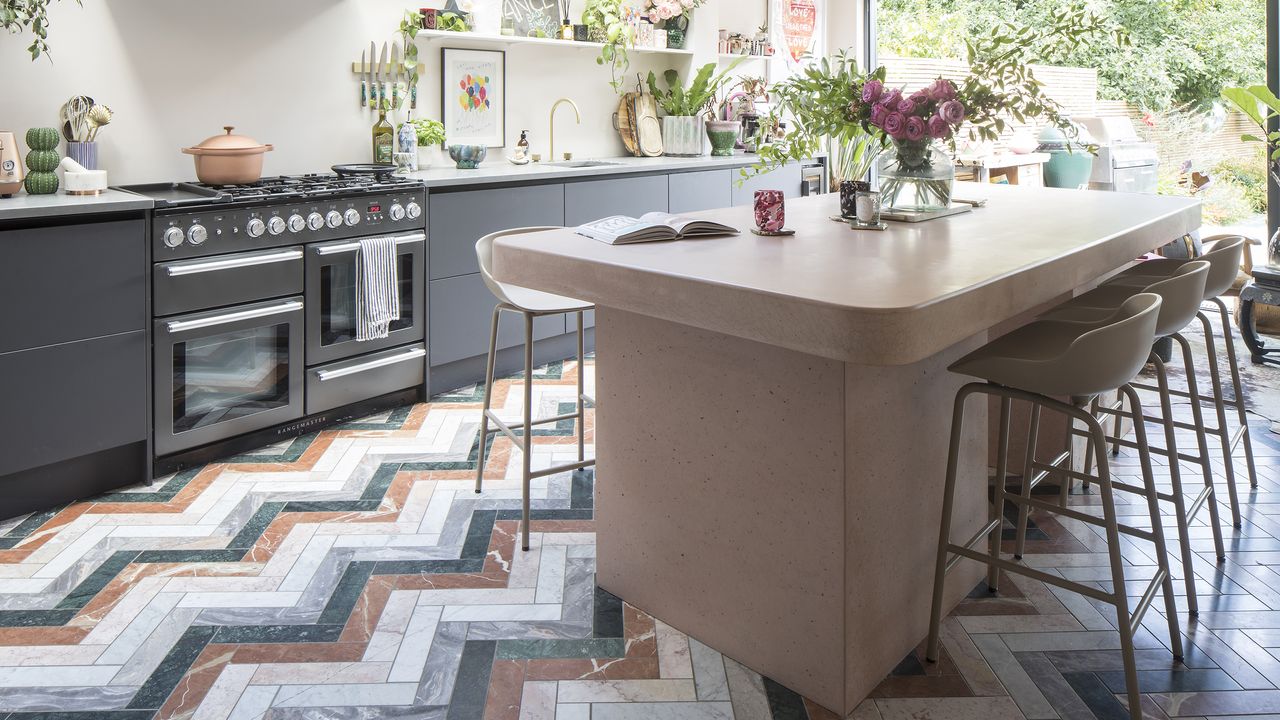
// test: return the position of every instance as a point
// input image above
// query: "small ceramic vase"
(468, 157)
(770, 210)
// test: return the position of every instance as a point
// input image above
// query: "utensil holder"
(85, 153)
(683, 136)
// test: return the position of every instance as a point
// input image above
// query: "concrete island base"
(778, 506)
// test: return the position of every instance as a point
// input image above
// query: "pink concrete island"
(772, 412)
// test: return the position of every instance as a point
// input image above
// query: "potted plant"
(683, 129)
(1260, 105)
(903, 134)
(673, 16)
(606, 23)
(430, 139)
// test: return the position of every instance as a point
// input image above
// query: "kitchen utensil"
(364, 83)
(228, 159)
(11, 174)
(99, 115)
(376, 170)
(80, 180)
(75, 114)
(648, 127)
(396, 67)
(373, 62)
(384, 70)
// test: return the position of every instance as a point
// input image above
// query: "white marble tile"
(708, 673)
(255, 703)
(389, 632)
(551, 574)
(480, 613)
(538, 700)
(62, 676)
(477, 596)
(344, 695)
(18, 655)
(625, 691)
(416, 645)
(673, 652)
(240, 599)
(221, 699)
(307, 673)
(573, 711)
(662, 711)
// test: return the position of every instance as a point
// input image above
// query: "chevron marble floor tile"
(354, 574)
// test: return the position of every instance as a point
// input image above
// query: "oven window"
(229, 376)
(338, 300)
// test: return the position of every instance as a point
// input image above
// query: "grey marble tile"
(157, 646)
(442, 665)
(65, 699)
(708, 673)
(528, 630)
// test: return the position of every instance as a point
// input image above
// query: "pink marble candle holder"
(770, 207)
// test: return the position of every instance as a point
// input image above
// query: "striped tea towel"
(377, 288)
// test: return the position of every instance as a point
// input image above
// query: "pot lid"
(228, 144)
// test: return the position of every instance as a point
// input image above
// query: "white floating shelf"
(511, 40)
(735, 56)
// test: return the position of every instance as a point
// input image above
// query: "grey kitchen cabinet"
(63, 283)
(73, 399)
(594, 199)
(702, 190)
(461, 309)
(785, 178)
(458, 219)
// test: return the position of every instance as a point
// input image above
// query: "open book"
(621, 230)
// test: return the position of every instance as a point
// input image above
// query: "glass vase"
(916, 176)
(677, 30)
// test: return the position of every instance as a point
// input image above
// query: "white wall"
(176, 71)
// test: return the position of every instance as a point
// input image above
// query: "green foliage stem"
(18, 16)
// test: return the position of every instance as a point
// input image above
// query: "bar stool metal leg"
(948, 501)
(488, 396)
(1202, 442)
(1221, 411)
(527, 455)
(1228, 339)
(1028, 473)
(582, 402)
(1175, 481)
(999, 494)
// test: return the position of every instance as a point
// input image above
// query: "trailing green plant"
(820, 99)
(430, 132)
(409, 27)
(452, 21)
(18, 16)
(699, 98)
(609, 17)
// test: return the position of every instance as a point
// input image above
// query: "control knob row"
(196, 235)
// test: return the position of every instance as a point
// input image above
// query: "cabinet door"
(64, 401)
(72, 282)
(461, 309)
(705, 190)
(593, 199)
(458, 219)
(785, 178)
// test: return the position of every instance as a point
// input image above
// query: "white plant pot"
(683, 136)
(428, 156)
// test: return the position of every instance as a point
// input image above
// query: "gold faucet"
(552, 121)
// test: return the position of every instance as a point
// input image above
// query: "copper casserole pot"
(228, 159)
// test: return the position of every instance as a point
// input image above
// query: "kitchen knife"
(373, 88)
(384, 70)
(395, 75)
(364, 84)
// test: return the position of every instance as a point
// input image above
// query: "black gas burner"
(283, 187)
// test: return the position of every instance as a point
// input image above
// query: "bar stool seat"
(1224, 254)
(530, 304)
(1033, 364)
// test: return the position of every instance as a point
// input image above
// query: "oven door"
(223, 373)
(331, 299)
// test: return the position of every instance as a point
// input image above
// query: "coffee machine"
(10, 165)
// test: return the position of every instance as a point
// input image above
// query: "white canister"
(683, 135)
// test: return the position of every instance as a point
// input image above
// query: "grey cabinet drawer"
(594, 199)
(350, 381)
(458, 219)
(63, 401)
(72, 282)
(705, 190)
(785, 178)
(188, 285)
(461, 309)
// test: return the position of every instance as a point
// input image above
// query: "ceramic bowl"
(468, 157)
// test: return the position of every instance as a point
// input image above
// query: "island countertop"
(875, 298)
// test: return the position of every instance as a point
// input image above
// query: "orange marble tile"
(194, 685)
(296, 652)
(42, 635)
(639, 632)
(502, 544)
(506, 684)
(564, 526)
(368, 608)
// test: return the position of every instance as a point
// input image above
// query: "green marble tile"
(169, 673)
(277, 633)
(346, 593)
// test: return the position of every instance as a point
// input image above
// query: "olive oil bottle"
(383, 138)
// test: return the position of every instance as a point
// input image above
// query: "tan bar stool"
(1180, 296)
(530, 304)
(1036, 363)
(1224, 254)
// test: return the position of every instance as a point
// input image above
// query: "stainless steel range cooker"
(254, 313)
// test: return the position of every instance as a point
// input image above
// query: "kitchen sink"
(583, 163)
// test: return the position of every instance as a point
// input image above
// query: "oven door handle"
(353, 246)
(178, 326)
(177, 269)
(414, 354)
